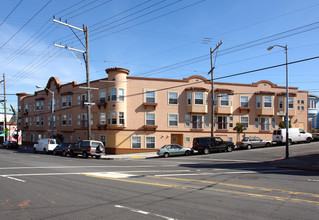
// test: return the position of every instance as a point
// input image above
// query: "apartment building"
(313, 111)
(137, 114)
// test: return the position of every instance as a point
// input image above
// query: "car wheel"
(98, 157)
(249, 147)
(166, 155)
(290, 142)
(34, 150)
(268, 144)
(206, 150)
(187, 153)
(54, 152)
(64, 153)
(308, 140)
(85, 154)
(45, 151)
(229, 149)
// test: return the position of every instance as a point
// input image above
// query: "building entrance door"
(177, 139)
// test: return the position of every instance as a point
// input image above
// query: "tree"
(240, 128)
(282, 124)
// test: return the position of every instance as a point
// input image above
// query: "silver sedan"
(250, 142)
(174, 150)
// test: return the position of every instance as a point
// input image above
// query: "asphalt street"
(238, 185)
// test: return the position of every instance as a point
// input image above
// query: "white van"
(294, 135)
(46, 145)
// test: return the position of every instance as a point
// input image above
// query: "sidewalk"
(304, 162)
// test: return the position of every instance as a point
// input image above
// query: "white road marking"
(226, 173)
(16, 179)
(312, 180)
(142, 212)
(65, 167)
(111, 174)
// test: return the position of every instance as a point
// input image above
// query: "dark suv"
(88, 148)
(206, 145)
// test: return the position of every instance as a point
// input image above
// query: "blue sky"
(159, 38)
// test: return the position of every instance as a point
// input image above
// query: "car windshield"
(245, 139)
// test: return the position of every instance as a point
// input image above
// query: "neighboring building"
(313, 111)
(11, 120)
(134, 114)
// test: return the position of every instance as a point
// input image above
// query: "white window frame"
(148, 94)
(102, 115)
(172, 98)
(147, 142)
(258, 101)
(64, 120)
(150, 118)
(136, 142)
(243, 102)
(243, 122)
(223, 97)
(265, 125)
(281, 103)
(169, 121)
(199, 98)
(264, 98)
(198, 123)
(223, 123)
(289, 102)
(102, 96)
(69, 120)
(69, 101)
(64, 103)
(189, 98)
(121, 93)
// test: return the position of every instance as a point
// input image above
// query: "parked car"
(46, 145)
(207, 145)
(295, 135)
(88, 148)
(174, 150)
(251, 142)
(10, 145)
(63, 149)
(315, 136)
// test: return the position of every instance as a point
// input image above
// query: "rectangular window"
(38, 121)
(41, 121)
(136, 142)
(222, 122)
(189, 98)
(112, 119)
(84, 120)
(150, 118)
(187, 139)
(244, 101)
(199, 98)
(291, 102)
(173, 98)
(150, 142)
(63, 120)
(63, 101)
(70, 120)
(187, 120)
(173, 120)
(197, 121)
(102, 118)
(281, 102)
(102, 94)
(113, 94)
(244, 120)
(121, 95)
(265, 124)
(41, 105)
(150, 96)
(258, 101)
(267, 102)
(38, 105)
(121, 118)
(69, 101)
(224, 99)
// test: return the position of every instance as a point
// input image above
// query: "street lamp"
(287, 97)
(52, 107)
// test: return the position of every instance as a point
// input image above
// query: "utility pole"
(5, 106)
(211, 72)
(85, 53)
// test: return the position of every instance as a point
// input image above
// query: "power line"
(25, 24)
(11, 12)
(89, 9)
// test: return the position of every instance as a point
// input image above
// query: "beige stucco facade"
(134, 114)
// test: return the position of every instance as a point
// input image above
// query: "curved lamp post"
(52, 107)
(287, 97)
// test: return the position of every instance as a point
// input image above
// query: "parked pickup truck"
(88, 148)
(207, 145)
